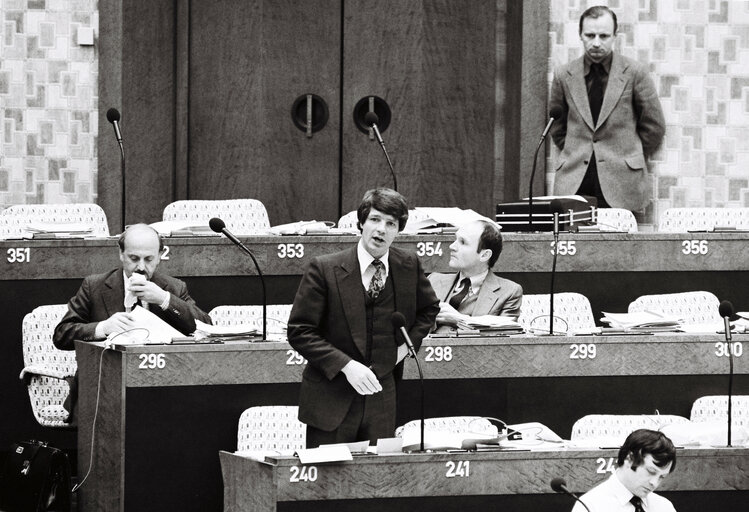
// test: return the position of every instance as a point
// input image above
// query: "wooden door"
(249, 61)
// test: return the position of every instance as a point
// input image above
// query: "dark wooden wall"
(206, 89)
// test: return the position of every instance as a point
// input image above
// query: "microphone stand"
(533, 171)
(387, 157)
(729, 343)
(122, 171)
(553, 274)
(412, 352)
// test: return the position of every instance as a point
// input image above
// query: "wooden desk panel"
(286, 255)
(259, 486)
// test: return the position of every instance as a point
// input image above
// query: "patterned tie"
(595, 95)
(637, 502)
(378, 279)
(456, 299)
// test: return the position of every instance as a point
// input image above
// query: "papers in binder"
(58, 230)
(642, 321)
(183, 228)
(225, 332)
(427, 219)
(488, 324)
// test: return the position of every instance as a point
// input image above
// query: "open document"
(642, 321)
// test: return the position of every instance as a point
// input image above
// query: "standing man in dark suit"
(611, 120)
(103, 303)
(475, 290)
(341, 323)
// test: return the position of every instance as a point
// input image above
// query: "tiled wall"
(698, 52)
(48, 102)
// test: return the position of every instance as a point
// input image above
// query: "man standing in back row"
(610, 122)
(341, 322)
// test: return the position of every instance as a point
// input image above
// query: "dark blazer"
(630, 127)
(102, 295)
(327, 326)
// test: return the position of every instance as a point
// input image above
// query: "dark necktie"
(595, 94)
(378, 279)
(637, 502)
(456, 299)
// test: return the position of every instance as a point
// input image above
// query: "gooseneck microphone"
(113, 116)
(560, 486)
(371, 120)
(726, 311)
(218, 226)
(555, 114)
(399, 322)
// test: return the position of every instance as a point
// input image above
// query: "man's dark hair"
(596, 12)
(643, 442)
(121, 239)
(385, 200)
(491, 238)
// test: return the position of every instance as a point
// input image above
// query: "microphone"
(399, 322)
(371, 120)
(726, 311)
(113, 116)
(217, 225)
(560, 486)
(555, 114)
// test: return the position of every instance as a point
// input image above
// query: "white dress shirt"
(365, 265)
(612, 496)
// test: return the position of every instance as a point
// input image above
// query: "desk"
(260, 486)
(158, 403)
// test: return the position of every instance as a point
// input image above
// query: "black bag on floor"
(35, 478)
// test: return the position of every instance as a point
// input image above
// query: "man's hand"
(148, 291)
(448, 315)
(361, 378)
(118, 322)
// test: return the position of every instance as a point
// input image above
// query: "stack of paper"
(303, 227)
(225, 332)
(61, 230)
(489, 324)
(434, 219)
(183, 228)
(642, 321)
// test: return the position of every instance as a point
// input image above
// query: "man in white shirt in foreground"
(645, 459)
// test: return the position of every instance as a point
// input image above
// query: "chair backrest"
(691, 307)
(271, 428)
(40, 355)
(572, 308)
(715, 408)
(452, 425)
(616, 219)
(15, 219)
(277, 316)
(241, 216)
(681, 220)
(616, 427)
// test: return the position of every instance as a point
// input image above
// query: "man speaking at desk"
(475, 290)
(341, 322)
(103, 303)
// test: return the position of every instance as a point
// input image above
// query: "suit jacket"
(497, 296)
(630, 127)
(102, 295)
(327, 326)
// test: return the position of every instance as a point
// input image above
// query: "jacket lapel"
(614, 88)
(113, 293)
(487, 295)
(402, 271)
(348, 278)
(579, 92)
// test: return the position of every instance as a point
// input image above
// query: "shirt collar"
(606, 63)
(622, 494)
(366, 259)
(476, 280)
